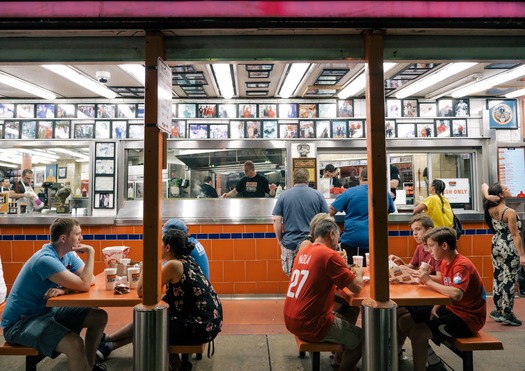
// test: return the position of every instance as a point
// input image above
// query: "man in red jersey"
(308, 308)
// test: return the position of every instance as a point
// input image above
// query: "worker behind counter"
(252, 184)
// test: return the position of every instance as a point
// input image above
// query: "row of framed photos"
(338, 129)
(67, 110)
(415, 108)
(65, 129)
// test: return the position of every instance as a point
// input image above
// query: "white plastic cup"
(425, 267)
(133, 277)
(111, 278)
(367, 258)
(125, 261)
(358, 260)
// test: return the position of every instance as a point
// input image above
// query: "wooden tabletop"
(402, 294)
(97, 296)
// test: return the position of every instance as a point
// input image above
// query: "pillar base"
(150, 337)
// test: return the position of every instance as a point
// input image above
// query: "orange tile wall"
(237, 266)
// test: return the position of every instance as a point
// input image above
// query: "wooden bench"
(186, 351)
(315, 349)
(464, 347)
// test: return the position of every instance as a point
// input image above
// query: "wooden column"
(153, 159)
(377, 173)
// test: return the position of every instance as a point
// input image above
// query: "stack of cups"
(111, 278)
(358, 260)
(133, 276)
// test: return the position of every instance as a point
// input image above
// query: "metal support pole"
(380, 336)
(150, 337)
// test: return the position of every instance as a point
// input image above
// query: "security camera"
(103, 76)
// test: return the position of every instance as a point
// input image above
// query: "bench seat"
(464, 347)
(316, 349)
(32, 355)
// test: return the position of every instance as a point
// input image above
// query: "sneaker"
(440, 366)
(102, 352)
(496, 316)
(510, 319)
(99, 367)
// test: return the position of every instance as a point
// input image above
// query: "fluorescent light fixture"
(9, 165)
(80, 79)
(440, 75)
(515, 93)
(490, 82)
(449, 88)
(16, 83)
(223, 76)
(43, 154)
(359, 83)
(137, 71)
(293, 78)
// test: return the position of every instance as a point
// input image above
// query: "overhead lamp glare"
(358, 84)
(19, 84)
(490, 82)
(223, 76)
(137, 71)
(293, 78)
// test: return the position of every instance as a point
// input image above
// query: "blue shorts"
(447, 326)
(44, 331)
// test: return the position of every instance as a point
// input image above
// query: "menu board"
(511, 169)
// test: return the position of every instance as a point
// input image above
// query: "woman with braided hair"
(437, 206)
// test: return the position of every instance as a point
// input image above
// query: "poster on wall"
(511, 169)
(502, 114)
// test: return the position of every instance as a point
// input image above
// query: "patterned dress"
(506, 263)
(195, 311)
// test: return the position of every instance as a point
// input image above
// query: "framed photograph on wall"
(247, 111)
(25, 111)
(306, 129)
(198, 131)
(327, 110)
(427, 109)
(339, 129)
(445, 108)
(461, 107)
(65, 111)
(136, 131)
(45, 111)
(502, 114)
(393, 108)
(62, 129)
(322, 129)
(356, 129)
(139, 190)
(253, 129)
(51, 173)
(7, 110)
(104, 200)
(126, 111)
(86, 111)
(84, 131)
(207, 111)
(443, 128)
(236, 129)
(459, 128)
(178, 129)
(390, 128)
(287, 110)
(11, 129)
(118, 129)
(425, 130)
(102, 129)
(45, 130)
(1, 129)
(62, 172)
(104, 183)
(409, 107)
(227, 111)
(28, 130)
(104, 149)
(106, 111)
(345, 108)
(405, 130)
(288, 131)
(308, 110)
(219, 131)
(40, 174)
(267, 111)
(105, 167)
(269, 129)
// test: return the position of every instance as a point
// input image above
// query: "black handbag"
(457, 226)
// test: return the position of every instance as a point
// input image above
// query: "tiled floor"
(254, 337)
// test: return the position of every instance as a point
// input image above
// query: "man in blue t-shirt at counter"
(354, 203)
(252, 184)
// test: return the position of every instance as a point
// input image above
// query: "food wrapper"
(121, 289)
(400, 273)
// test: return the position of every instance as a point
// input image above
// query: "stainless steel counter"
(48, 219)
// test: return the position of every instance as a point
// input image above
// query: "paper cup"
(367, 258)
(425, 266)
(111, 278)
(133, 276)
(358, 260)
